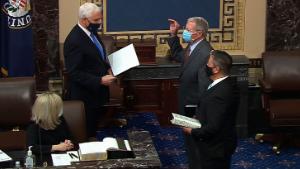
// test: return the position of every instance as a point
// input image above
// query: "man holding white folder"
(216, 139)
(89, 73)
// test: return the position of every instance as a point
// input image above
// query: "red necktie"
(187, 54)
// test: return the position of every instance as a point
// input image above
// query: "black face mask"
(208, 71)
(93, 27)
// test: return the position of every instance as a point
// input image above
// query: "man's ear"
(86, 21)
(200, 33)
(216, 70)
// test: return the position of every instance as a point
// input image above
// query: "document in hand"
(185, 121)
(123, 59)
(109, 148)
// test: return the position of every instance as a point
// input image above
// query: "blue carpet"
(169, 144)
(253, 155)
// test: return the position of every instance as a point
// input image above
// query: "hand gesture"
(69, 144)
(187, 130)
(174, 26)
(63, 146)
(107, 80)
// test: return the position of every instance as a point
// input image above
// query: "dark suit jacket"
(193, 79)
(85, 69)
(217, 114)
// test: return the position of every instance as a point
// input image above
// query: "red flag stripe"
(23, 3)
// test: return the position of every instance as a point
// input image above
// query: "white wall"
(255, 28)
(68, 17)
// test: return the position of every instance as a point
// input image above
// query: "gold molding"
(229, 35)
(98, 2)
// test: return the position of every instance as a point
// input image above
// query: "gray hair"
(201, 24)
(86, 10)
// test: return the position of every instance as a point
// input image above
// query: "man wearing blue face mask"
(193, 78)
(89, 73)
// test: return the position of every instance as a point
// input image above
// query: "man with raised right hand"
(193, 79)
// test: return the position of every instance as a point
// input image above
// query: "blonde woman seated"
(48, 131)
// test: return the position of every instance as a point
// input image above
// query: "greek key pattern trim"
(229, 35)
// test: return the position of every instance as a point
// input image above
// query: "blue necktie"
(99, 46)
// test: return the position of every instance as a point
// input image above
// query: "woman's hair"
(46, 110)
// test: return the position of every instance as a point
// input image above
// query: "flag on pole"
(16, 44)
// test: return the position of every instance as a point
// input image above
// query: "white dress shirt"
(216, 82)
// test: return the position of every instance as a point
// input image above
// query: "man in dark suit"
(216, 139)
(193, 79)
(87, 67)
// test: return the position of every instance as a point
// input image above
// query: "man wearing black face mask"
(216, 139)
(87, 67)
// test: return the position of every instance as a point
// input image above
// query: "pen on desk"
(70, 155)
(73, 155)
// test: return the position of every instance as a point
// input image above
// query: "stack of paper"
(185, 121)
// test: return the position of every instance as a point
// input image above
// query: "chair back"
(282, 70)
(109, 44)
(281, 88)
(16, 99)
(74, 115)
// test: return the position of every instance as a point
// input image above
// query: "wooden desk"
(142, 145)
(144, 150)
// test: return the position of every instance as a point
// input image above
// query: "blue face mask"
(187, 36)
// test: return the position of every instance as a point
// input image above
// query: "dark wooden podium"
(145, 49)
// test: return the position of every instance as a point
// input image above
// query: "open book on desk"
(185, 121)
(108, 148)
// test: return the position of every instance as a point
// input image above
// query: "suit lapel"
(217, 85)
(193, 54)
(88, 41)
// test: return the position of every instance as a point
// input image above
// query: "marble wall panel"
(283, 25)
